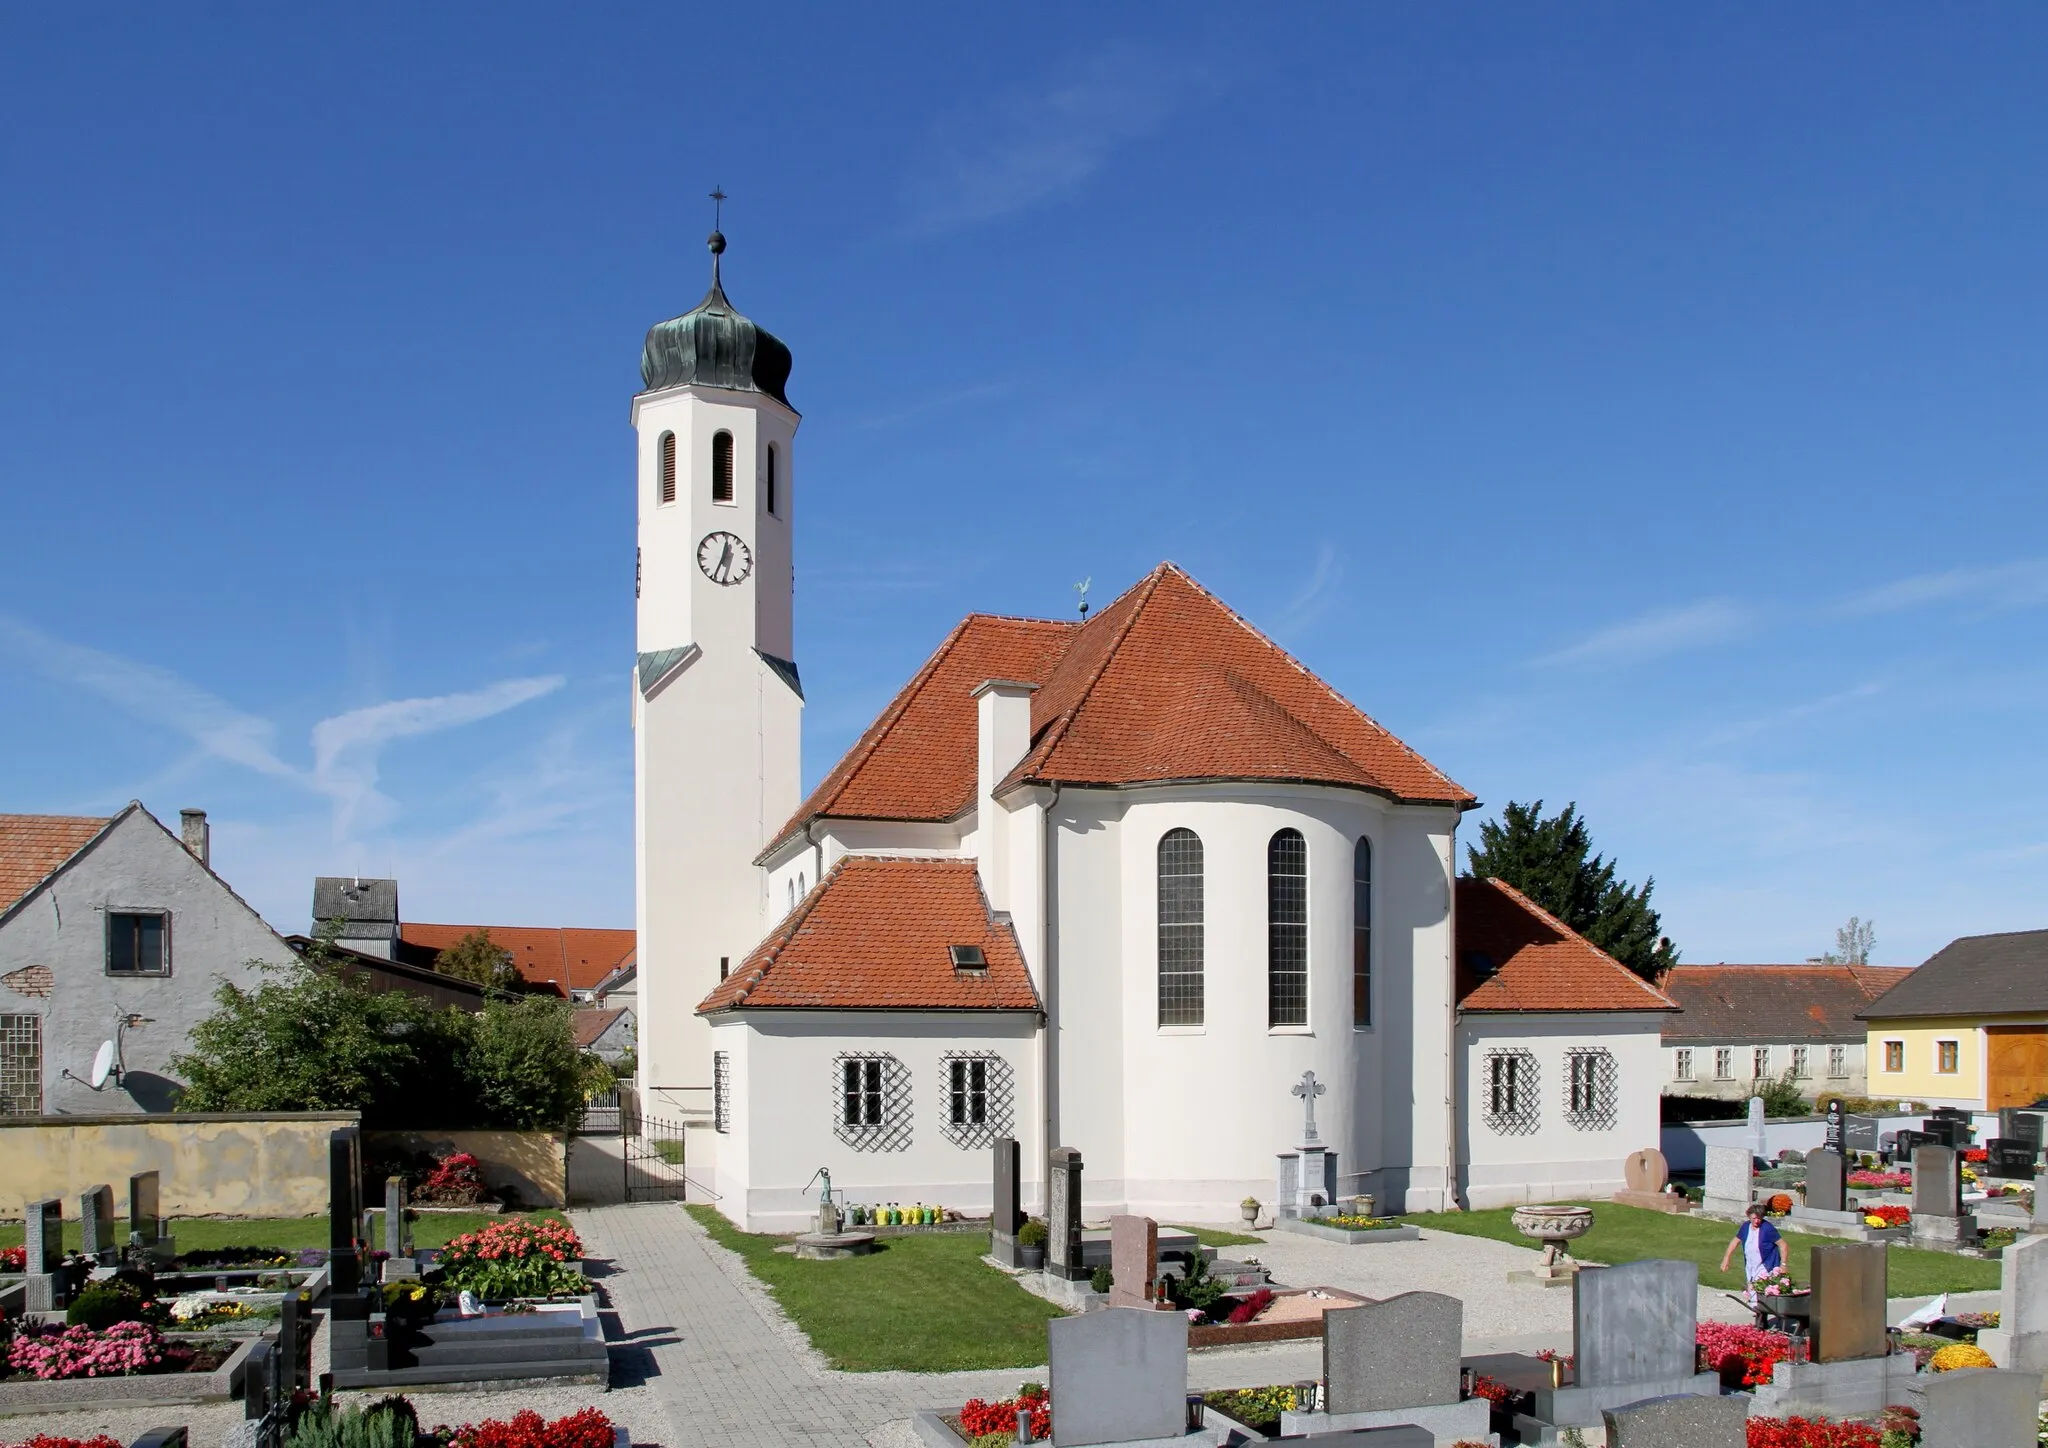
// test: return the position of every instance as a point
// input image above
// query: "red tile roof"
(573, 959)
(1774, 1002)
(1166, 683)
(591, 1024)
(873, 935)
(1536, 961)
(32, 847)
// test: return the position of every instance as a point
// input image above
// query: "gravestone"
(1848, 1302)
(1398, 1353)
(1117, 1375)
(1315, 1173)
(399, 1263)
(1756, 1141)
(1977, 1408)
(1859, 1133)
(1133, 1258)
(2019, 1123)
(1063, 1215)
(145, 1209)
(96, 1223)
(2010, 1156)
(2040, 1204)
(1644, 1175)
(1287, 1184)
(1937, 1188)
(1907, 1141)
(43, 1223)
(344, 1208)
(1729, 1170)
(1679, 1421)
(1832, 1115)
(1635, 1323)
(1008, 1214)
(2021, 1338)
(1826, 1181)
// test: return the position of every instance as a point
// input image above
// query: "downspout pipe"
(1046, 1062)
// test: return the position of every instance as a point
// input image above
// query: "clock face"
(725, 558)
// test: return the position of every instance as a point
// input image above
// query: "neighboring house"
(621, 987)
(609, 1034)
(375, 973)
(566, 961)
(1740, 1025)
(366, 912)
(1969, 1028)
(112, 929)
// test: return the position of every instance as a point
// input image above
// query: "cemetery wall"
(1551, 1153)
(1685, 1145)
(534, 1164)
(254, 1165)
(785, 1073)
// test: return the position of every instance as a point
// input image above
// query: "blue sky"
(1626, 406)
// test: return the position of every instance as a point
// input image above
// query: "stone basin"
(1553, 1227)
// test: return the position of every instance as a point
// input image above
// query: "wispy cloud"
(2002, 585)
(1315, 596)
(1655, 635)
(937, 404)
(1025, 146)
(346, 746)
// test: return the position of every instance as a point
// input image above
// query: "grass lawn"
(1219, 1237)
(1631, 1234)
(916, 1304)
(206, 1234)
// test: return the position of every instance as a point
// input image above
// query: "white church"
(1111, 885)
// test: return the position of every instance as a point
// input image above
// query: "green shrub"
(104, 1304)
(1032, 1234)
(1101, 1280)
(388, 1423)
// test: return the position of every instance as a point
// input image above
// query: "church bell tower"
(717, 703)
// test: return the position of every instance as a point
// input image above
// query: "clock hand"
(725, 561)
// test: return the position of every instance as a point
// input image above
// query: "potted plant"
(1249, 1210)
(1031, 1240)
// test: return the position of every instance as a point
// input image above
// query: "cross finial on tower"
(717, 241)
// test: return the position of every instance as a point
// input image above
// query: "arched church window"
(1361, 933)
(1180, 928)
(1287, 929)
(770, 497)
(667, 492)
(721, 467)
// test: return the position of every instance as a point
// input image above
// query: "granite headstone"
(96, 1223)
(1977, 1408)
(1937, 1188)
(2021, 1338)
(1758, 1144)
(1008, 1215)
(1681, 1421)
(1133, 1258)
(1826, 1181)
(1063, 1214)
(1118, 1375)
(1729, 1171)
(1635, 1323)
(145, 1208)
(1402, 1352)
(1848, 1302)
(44, 1222)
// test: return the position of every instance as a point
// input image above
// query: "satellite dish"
(102, 1064)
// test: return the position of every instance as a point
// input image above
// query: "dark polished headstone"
(344, 1208)
(45, 1226)
(2008, 1156)
(1848, 1303)
(2019, 1123)
(1833, 1114)
(145, 1206)
(1063, 1214)
(1859, 1133)
(96, 1223)
(1826, 1181)
(1008, 1213)
(1937, 1186)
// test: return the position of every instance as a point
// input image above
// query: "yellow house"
(1969, 1028)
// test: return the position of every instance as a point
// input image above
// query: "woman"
(1762, 1249)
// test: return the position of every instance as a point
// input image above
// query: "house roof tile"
(1812, 1002)
(874, 935)
(1513, 955)
(33, 847)
(589, 1025)
(571, 958)
(1977, 975)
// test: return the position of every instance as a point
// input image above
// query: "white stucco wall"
(1559, 1160)
(785, 1094)
(1742, 1084)
(138, 866)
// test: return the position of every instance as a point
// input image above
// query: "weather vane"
(1082, 589)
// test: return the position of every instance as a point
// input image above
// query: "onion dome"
(713, 345)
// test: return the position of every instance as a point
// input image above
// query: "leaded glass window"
(1287, 929)
(1180, 929)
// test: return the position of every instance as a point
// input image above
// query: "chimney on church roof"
(1003, 738)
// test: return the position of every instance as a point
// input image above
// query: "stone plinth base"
(1446, 1422)
(1653, 1201)
(832, 1246)
(1943, 1234)
(1577, 1407)
(1558, 1274)
(1857, 1388)
(933, 1431)
(1311, 1227)
(2025, 1350)
(1725, 1207)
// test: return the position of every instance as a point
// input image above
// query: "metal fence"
(602, 1115)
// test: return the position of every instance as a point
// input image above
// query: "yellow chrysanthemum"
(1960, 1355)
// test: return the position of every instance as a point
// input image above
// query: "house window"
(1509, 1084)
(138, 943)
(769, 479)
(1946, 1054)
(980, 1092)
(1838, 1061)
(1361, 933)
(1895, 1055)
(1760, 1063)
(1180, 928)
(21, 1065)
(721, 467)
(1724, 1063)
(1287, 930)
(667, 485)
(1590, 1088)
(872, 1111)
(1799, 1071)
(721, 1091)
(1682, 1064)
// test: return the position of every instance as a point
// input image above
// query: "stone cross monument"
(1308, 1169)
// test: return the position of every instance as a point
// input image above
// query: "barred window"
(1682, 1066)
(1361, 933)
(1509, 1102)
(872, 1112)
(21, 1065)
(721, 467)
(1838, 1060)
(721, 1091)
(1724, 1063)
(1591, 1088)
(980, 1096)
(667, 484)
(1287, 929)
(1799, 1071)
(1180, 929)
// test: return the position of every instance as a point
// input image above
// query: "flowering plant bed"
(523, 1257)
(1725, 1346)
(1282, 1317)
(13, 1259)
(979, 1420)
(1353, 1231)
(45, 1440)
(1881, 1180)
(588, 1428)
(1882, 1216)
(1811, 1433)
(456, 1181)
(78, 1373)
(1259, 1409)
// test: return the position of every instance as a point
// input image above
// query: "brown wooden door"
(2016, 1059)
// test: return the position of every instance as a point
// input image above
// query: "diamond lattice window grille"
(21, 1065)
(871, 1102)
(1592, 1091)
(979, 1098)
(721, 1091)
(1508, 1095)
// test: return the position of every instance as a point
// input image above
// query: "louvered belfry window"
(1180, 929)
(1287, 929)
(1361, 933)
(721, 467)
(771, 479)
(668, 468)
